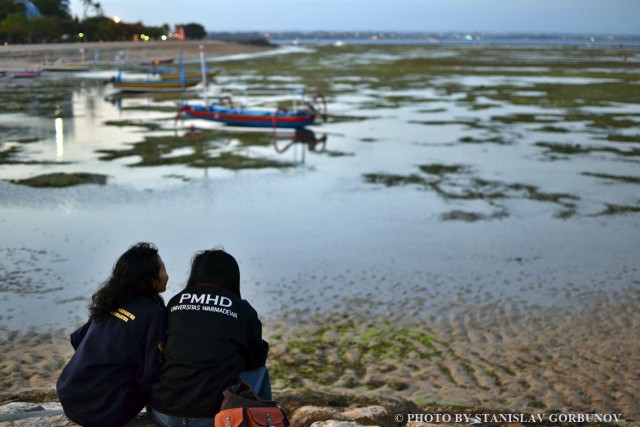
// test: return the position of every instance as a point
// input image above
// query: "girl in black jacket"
(214, 339)
(118, 351)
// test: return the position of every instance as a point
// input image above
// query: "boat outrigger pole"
(203, 69)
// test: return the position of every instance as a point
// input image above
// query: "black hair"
(134, 274)
(215, 266)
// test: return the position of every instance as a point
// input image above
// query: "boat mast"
(203, 70)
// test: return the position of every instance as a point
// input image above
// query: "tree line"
(55, 24)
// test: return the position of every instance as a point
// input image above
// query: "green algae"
(391, 180)
(136, 123)
(326, 355)
(408, 67)
(456, 182)
(613, 209)
(8, 156)
(439, 169)
(11, 156)
(59, 180)
(620, 178)
(624, 138)
(458, 215)
(201, 148)
(554, 129)
(576, 149)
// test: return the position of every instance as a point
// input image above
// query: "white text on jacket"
(205, 299)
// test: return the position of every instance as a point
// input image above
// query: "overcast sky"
(496, 16)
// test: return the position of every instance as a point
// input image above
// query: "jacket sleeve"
(153, 350)
(255, 355)
(78, 335)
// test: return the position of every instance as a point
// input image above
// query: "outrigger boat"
(175, 72)
(23, 73)
(149, 84)
(225, 111)
(152, 85)
(196, 75)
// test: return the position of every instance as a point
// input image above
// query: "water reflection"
(59, 125)
(302, 139)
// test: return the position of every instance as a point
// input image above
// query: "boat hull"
(250, 118)
(176, 76)
(155, 85)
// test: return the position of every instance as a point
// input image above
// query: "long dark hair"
(134, 274)
(217, 267)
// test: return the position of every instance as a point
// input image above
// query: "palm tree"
(96, 6)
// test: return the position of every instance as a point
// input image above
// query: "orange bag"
(242, 408)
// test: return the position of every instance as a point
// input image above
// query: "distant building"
(180, 33)
(31, 10)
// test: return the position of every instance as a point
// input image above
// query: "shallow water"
(419, 202)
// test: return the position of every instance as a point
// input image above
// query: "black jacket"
(211, 336)
(108, 379)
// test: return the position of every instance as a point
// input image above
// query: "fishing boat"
(65, 67)
(225, 111)
(152, 85)
(24, 74)
(68, 64)
(159, 61)
(170, 75)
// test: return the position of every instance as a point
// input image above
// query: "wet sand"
(497, 356)
(484, 357)
(33, 56)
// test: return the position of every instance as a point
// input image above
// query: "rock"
(309, 415)
(366, 416)
(19, 407)
(365, 410)
(333, 423)
(315, 416)
(24, 414)
(305, 408)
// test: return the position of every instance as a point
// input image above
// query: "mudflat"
(17, 56)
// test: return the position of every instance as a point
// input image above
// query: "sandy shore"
(545, 362)
(499, 356)
(35, 55)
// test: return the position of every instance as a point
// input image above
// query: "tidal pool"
(444, 177)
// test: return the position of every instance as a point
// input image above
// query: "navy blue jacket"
(211, 336)
(108, 380)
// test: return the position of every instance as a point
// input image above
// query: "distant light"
(116, 19)
(267, 35)
(468, 37)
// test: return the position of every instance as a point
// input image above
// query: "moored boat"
(151, 85)
(164, 75)
(23, 73)
(225, 111)
(65, 67)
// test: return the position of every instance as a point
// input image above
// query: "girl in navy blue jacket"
(119, 350)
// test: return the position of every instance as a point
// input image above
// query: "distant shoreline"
(445, 38)
(18, 56)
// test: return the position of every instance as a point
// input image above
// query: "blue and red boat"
(225, 111)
